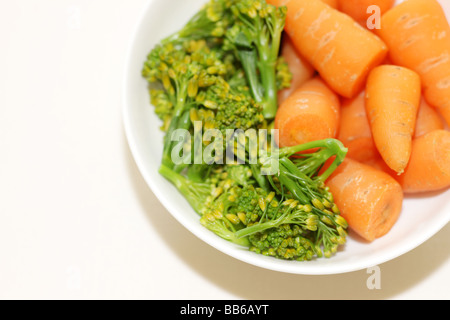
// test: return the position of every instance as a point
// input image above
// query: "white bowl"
(422, 217)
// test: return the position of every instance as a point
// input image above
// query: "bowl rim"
(222, 245)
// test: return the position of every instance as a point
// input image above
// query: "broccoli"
(182, 69)
(224, 216)
(193, 81)
(285, 242)
(308, 204)
(232, 108)
(255, 37)
(252, 30)
(297, 220)
(219, 200)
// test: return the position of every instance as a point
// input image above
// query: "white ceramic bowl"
(421, 218)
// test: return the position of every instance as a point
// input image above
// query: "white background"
(77, 221)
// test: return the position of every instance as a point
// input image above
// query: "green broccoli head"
(286, 242)
(232, 108)
(179, 73)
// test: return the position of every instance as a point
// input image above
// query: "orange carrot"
(301, 69)
(392, 101)
(311, 113)
(331, 3)
(370, 200)
(429, 167)
(355, 132)
(357, 9)
(338, 48)
(379, 164)
(428, 119)
(418, 36)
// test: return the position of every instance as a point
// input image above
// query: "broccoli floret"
(222, 227)
(242, 175)
(233, 108)
(322, 227)
(255, 37)
(234, 209)
(285, 242)
(183, 69)
(306, 202)
(161, 100)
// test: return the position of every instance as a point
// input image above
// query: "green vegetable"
(183, 69)
(285, 242)
(256, 38)
(232, 108)
(297, 219)
(309, 204)
(219, 74)
(251, 30)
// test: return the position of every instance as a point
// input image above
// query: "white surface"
(78, 220)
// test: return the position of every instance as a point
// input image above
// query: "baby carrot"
(392, 101)
(301, 69)
(429, 166)
(357, 9)
(418, 36)
(370, 200)
(428, 119)
(311, 113)
(355, 132)
(338, 48)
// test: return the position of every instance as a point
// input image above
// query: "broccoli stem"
(177, 122)
(268, 54)
(258, 46)
(268, 44)
(260, 68)
(292, 185)
(176, 179)
(260, 179)
(249, 59)
(259, 227)
(331, 147)
(195, 193)
(198, 172)
(220, 229)
(288, 217)
(268, 79)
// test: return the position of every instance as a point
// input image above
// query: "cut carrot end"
(370, 200)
